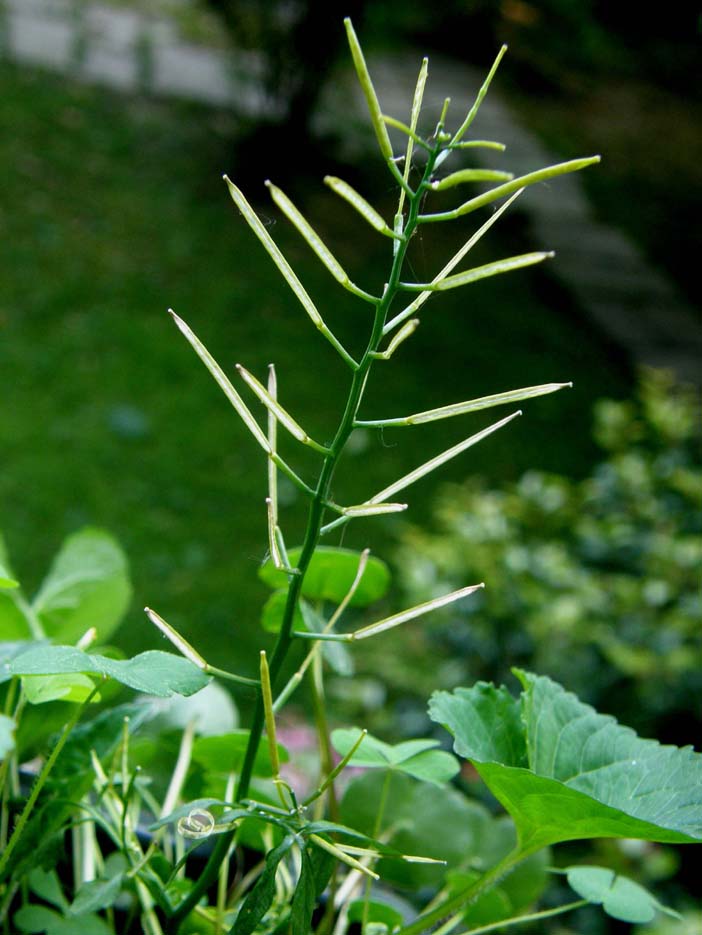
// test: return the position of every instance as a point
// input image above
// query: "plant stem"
(315, 520)
(424, 922)
(39, 784)
(523, 920)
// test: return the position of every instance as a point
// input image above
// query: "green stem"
(427, 919)
(525, 919)
(39, 785)
(315, 520)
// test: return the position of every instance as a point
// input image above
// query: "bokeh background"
(118, 120)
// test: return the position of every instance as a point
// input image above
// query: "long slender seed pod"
(418, 611)
(531, 178)
(368, 91)
(479, 272)
(286, 270)
(366, 210)
(470, 117)
(452, 263)
(470, 405)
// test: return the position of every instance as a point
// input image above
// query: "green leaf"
(259, 900)
(322, 863)
(417, 758)
(153, 672)
(74, 687)
(305, 896)
(274, 610)
(87, 586)
(619, 896)
(14, 624)
(225, 754)
(96, 895)
(374, 911)
(565, 772)
(331, 573)
(446, 825)
(7, 579)
(35, 919)
(7, 735)
(46, 885)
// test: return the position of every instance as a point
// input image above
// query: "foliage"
(596, 581)
(277, 857)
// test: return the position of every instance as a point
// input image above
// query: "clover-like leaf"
(620, 897)
(331, 573)
(565, 772)
(417, 758)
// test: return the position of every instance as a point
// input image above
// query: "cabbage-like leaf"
(87, 586)
(331, 573)
(154, 672)
(565, 772)
(418, 758)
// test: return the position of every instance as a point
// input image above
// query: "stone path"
(635, 305)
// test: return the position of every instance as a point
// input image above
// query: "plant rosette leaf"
(74, 687)
(565, 772)
(417, 758)
(153, 672)
(330, 574)
(620, 897)
(87, 586)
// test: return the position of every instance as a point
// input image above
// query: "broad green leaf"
(520, 889)
(305, 896)
(374, 911)
(38, 919)
(417, 758)
(445, 826)
(619, 896)
(14, 624)
(331, 573)
(225, 754)
(35, 919)
(153, 672)
(87, 586)
(7, 578)
(97, 895)
(211, 709)
(274, 609)
(7, 735)
(259, 900)
(322, 864)
(74, 687)
(46, 885)
(565, 772)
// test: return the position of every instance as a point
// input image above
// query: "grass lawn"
(112, 210)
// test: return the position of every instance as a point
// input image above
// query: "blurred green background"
(113, 209)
